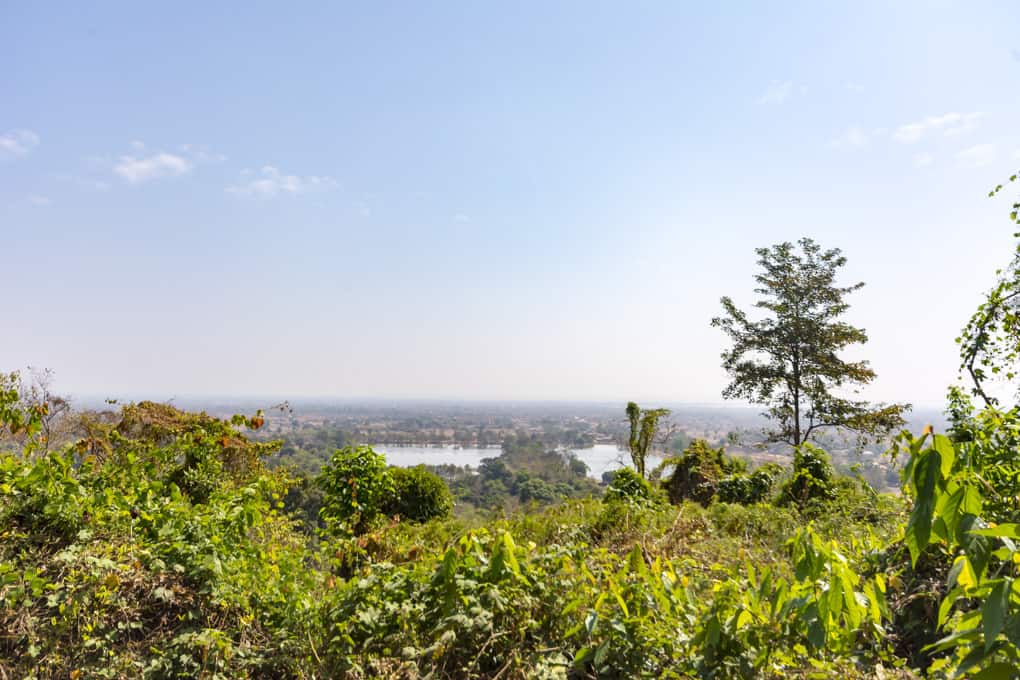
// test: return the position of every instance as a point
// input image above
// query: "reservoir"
(599, 458)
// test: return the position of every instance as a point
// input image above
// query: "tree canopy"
(643, 425)
(789, 360)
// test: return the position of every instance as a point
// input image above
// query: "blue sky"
(473, 200)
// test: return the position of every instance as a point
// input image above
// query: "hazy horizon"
(480, 202)
(298, 403)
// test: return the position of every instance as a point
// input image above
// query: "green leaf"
(1007, 530)
(962, 574)
(993, 613)
(571, 607)
(636, 561)
(977, 547)
(947, 453)
(947, 512)
(997, 671)
(511, 558)
(582, 655)
(926, 472)
(947, 605)
(816, 631)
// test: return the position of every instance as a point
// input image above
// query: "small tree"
(355, 485)
(788, 361)
(643, 424)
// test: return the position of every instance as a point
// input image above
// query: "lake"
(599, 458)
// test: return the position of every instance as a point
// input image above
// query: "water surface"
(599, 458)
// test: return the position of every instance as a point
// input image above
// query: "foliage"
(109, 568)
(643, 425)
(964, 512)
(990, 342)
(356, 484)
(303, 501)
(697, 473)
(813, 478)
(970, 523)
(788, 361)
(17, 419)
(524, 600)
(418, 495)
(629, 485)
(746, 489)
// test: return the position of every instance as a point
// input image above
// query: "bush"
(355, 484)
(812, 480)
(697, 472)
(748, 489)
(627, 484)
(109, 569)
(418, 495)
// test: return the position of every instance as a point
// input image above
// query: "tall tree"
(643, 425)
(788, 360)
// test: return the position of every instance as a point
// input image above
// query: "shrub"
(355, 484)
(418, 495)
(109, 569)
(697, 472)
(748, 489)
(627, 484)
(812, 480)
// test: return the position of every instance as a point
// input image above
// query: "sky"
(526, 200)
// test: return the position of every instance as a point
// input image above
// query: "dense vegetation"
(159, 547)
(158, 543)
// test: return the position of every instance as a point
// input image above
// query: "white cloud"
(923, 160)
(777, 92)
(853, 137)
(136, 170)
(40, 201)
(18, 142)
(144, 164)
(976, 156)
(948, 123)
(270, 183)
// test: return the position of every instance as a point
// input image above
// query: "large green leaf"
(997, 671)
(947, 454)
(962, 574)
(977, 547)
(947, 513)
(993, 612)
(1006, 530)
(926, 475)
